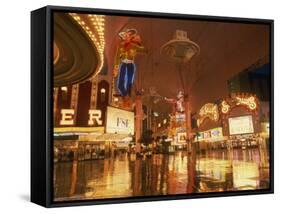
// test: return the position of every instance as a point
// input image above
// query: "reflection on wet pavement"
(181, 173)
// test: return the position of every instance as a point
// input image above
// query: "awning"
(63, 131)
(106, 137)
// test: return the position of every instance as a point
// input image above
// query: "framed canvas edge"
(49, 170)
(38, 152)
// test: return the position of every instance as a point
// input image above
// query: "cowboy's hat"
(132, 31)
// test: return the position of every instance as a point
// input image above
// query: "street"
(162, 174)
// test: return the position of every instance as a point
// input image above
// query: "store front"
(180, 140)
(233, 123)
(68, 145)
(89, 150)
(209, 133)
(120, 128)
(108, 144)
(241, 121)
(211, 139)
(88, 143)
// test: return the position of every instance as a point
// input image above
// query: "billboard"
(241, 125)
(181, 137)
(214, 134)
(119, 121)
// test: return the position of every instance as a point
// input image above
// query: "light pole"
(181, 50)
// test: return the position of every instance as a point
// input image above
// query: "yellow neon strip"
(78, 129)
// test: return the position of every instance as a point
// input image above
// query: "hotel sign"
(120, 121)
(67, 117)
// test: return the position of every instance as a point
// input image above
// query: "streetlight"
(181, 50)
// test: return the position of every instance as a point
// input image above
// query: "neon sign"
(67, 118)
(94, 117)
(225, 107)
(249, 101)
(210, 111)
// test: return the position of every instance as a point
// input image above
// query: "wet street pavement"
(179, 173)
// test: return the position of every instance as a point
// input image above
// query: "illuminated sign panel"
(120, 121)
(180, 117)
(250, 102)
(247, 100)
(210, 111)
(181, 137)
(94, 117)
(214, 134)
(241, 125)
(67, 117)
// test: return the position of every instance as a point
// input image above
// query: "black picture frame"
(42, 111)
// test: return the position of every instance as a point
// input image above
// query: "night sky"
(225, 49)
